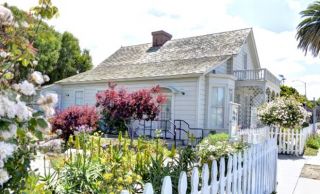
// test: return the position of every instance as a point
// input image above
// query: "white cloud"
(103, 26)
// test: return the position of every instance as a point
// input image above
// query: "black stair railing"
(189, 130)
(175, 130)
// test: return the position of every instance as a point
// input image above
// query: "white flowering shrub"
(20, 125)
(216, 146)
(283, 112)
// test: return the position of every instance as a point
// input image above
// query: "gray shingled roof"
(193, 55)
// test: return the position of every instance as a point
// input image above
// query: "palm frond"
(308, 30)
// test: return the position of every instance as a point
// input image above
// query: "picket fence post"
(148, 189)
(166, 186)
(229, 174)
(194, 181)
(183, 183)
(222, 177)
(214, 182)
(205, 179)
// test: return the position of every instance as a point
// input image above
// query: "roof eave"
(193, 75)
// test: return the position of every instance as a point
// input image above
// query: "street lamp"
(305, 86)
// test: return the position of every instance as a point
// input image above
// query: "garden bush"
(75, 118)
(312, 145)
(119, 107)
(216, 146)
(313, 142)
(214, 138)
(283, 112)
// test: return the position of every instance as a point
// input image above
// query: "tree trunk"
(129, 125)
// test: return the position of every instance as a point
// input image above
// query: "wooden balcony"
(256, 75)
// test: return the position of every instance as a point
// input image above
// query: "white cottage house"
(202, 76)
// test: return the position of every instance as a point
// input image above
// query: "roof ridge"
(241, 29)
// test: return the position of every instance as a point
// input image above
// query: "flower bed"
(97, 165)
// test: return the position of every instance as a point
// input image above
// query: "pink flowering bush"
(283, 112)
(74, 119)
(119, 107)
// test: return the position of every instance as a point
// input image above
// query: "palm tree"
(308, 30)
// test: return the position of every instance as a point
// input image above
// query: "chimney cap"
(161, 32)
(160, 37)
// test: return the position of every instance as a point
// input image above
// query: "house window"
(229, 66)
(245, 61)
(217, 108)
(165, 114)
(79, 98)
(165, 109)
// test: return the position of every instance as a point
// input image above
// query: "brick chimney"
(160, 37)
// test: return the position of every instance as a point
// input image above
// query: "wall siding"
(185, 106)
(238, 60)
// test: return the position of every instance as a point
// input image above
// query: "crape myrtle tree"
(119, 107)
(20, 125)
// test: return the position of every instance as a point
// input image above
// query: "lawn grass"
(310, 151)
(312, 145)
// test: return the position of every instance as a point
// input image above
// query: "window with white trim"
(165, 109)
(217, 108)
(79, 98)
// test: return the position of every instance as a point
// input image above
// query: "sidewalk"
(289, 171)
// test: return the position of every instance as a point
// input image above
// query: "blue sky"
(274, 15)
(103, 26)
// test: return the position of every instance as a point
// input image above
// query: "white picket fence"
(254, 135)
(252, 172)
(289, 141)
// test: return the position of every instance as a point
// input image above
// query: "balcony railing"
(257, 75)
